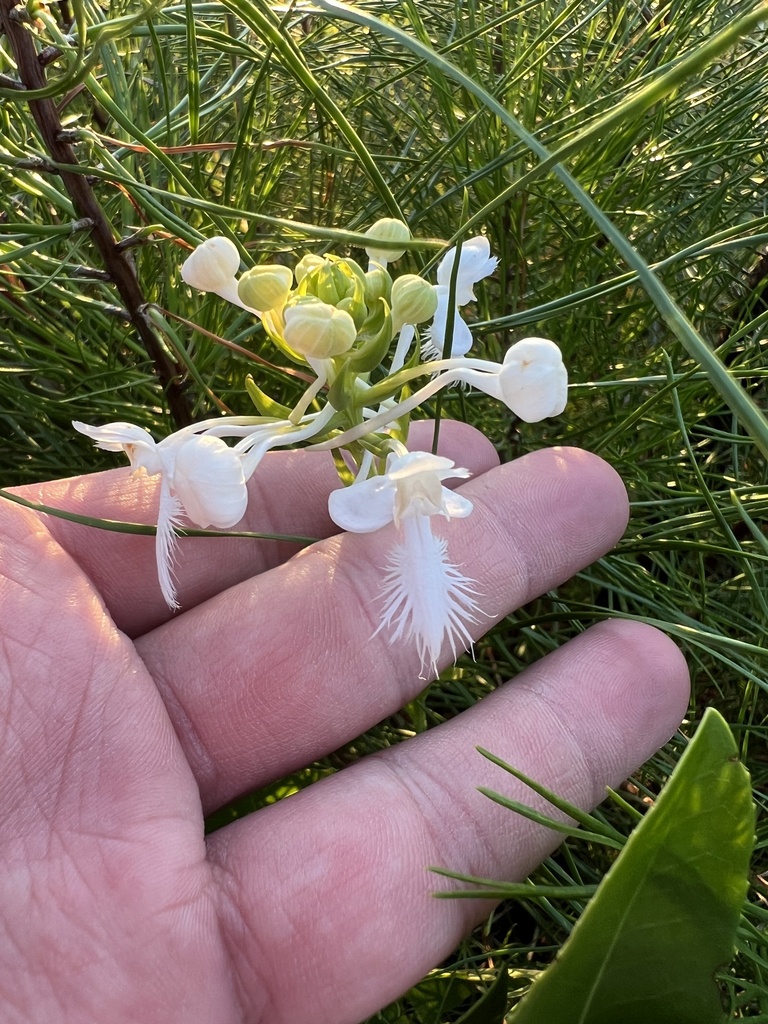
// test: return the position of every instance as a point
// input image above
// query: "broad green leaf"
(664, 918)
(492, 1005)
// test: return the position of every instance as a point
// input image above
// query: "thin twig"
(119, 268)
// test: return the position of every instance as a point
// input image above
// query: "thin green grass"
(293, 130)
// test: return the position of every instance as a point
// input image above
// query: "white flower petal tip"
(475, 264)
(137, 443)
(534, 380)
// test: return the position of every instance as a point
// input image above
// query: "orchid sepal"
(475, 263)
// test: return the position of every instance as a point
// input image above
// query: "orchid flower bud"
(265, 287)
(307, 263)
(332, 282)
(413, 301)
(317, 330)
(387, 230)
(212, 268)
(475, 263)
(378, 285)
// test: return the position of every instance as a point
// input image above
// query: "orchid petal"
(137, 443)
(207, 477)
(475, 263)
(412, 486)
(363, 507)
(418, 480)
(413, 464)
(454, 506)
(461, 336)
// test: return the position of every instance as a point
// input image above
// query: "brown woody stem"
(119, 267)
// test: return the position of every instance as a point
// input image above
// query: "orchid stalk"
(344, 323)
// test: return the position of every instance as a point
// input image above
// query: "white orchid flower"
(434, 346)
(475, 263)
(212, 267)
(426, 598)
(200, 477)
(532, 381)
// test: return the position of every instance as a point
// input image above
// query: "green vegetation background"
(262, 119)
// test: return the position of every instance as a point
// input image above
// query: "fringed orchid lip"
(434, 346)
(426, 599)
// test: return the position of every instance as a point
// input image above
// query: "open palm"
(113, 905)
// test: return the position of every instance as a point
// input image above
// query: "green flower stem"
(143, 529)
(381, 419)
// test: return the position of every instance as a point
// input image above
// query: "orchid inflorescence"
(357, 331)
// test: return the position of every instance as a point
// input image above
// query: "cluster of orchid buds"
(366, 338)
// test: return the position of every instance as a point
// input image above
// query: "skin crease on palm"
(122, 726)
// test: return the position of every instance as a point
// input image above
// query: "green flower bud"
(388, 230)
(317, 330)
(378, 285)
(328, 281)
(414, 300)
(307, 263)
(265, 287)
(339, 283)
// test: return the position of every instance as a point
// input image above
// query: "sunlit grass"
(291, 117)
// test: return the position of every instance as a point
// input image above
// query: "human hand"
(114, 907)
